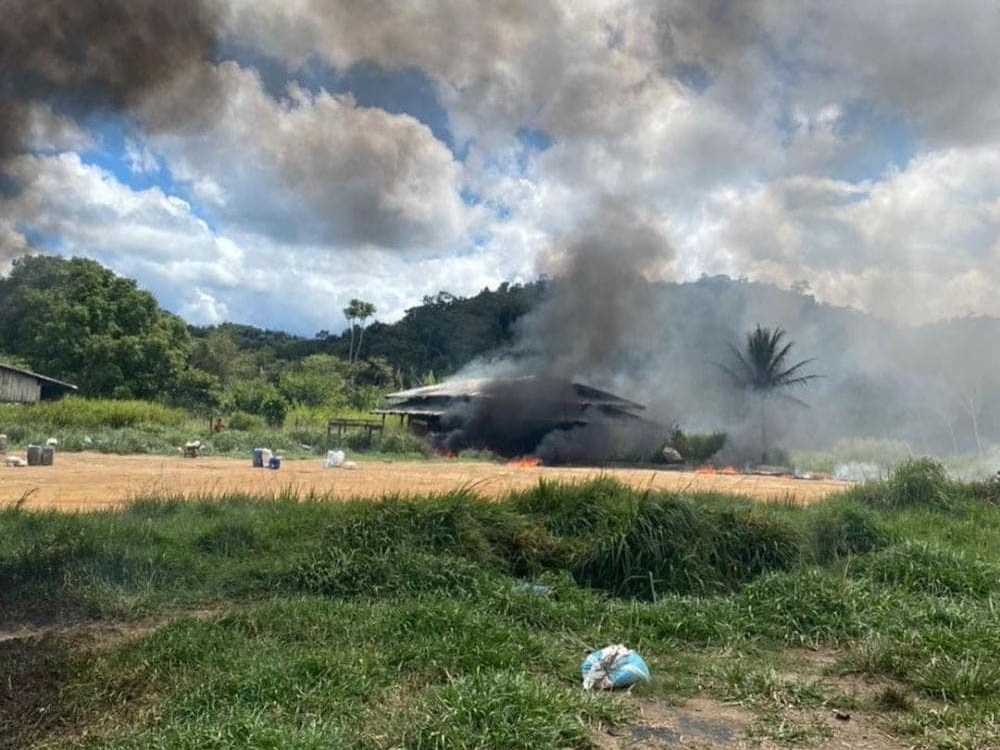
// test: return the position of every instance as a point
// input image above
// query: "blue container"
(274, 462)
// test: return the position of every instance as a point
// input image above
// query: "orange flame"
(525, 462)
(709, 469)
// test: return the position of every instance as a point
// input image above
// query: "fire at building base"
(554, 419)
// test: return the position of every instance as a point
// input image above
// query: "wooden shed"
(20, 386)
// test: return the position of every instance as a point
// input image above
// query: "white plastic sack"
(613, 667)
(334, 459)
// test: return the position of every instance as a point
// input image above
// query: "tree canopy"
(78, 321)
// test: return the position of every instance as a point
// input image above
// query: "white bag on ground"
(334, 459)
(613, 667)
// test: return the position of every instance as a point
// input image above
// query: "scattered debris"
(672, 455)
(611, 667)
(338, 460)
(766, 470)
(535, 589)
(14, 461)
(192, 449)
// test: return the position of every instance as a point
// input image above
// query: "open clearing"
(91, 481)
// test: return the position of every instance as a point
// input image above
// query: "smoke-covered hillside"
(936, 387)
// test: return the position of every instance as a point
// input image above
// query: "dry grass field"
(90, 481)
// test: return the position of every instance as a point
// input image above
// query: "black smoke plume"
(590, 330)
(591, 324)
(553, 418)
(81, 57)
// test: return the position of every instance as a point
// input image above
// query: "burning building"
(555, 419)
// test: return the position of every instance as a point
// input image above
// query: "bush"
(241, 420)
(918, 481)
(398, 441)
(984, 490)
(671, 545)
(697, 448)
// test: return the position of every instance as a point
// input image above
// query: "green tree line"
(75, 320)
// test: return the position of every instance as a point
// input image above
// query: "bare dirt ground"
(91, 481)
(706, 724)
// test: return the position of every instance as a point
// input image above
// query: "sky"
(265, 161)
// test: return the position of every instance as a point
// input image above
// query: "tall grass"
(85, 413)
(456, 622)
(141, 427)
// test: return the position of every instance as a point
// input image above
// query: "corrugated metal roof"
(423, 400)
(29, 373)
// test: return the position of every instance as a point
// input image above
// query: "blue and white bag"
(613, 667)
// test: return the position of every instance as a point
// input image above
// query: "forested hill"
(437, 337)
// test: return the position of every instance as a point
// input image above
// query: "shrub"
(918, 481)
(984, 490)
(697, 448)
(749, 543)
(359, 440)
(241, 420)
(670, 545)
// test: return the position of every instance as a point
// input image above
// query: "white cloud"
(209, 276)
(316, 168)
(853, 145)
(921, 242)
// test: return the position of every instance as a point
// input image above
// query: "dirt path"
(87, 481)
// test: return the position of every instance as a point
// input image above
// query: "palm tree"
(761, 367)
(357, 309)
(364, 311)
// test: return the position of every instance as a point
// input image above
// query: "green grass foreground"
(294, 622)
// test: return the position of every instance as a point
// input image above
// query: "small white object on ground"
(334, 459)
